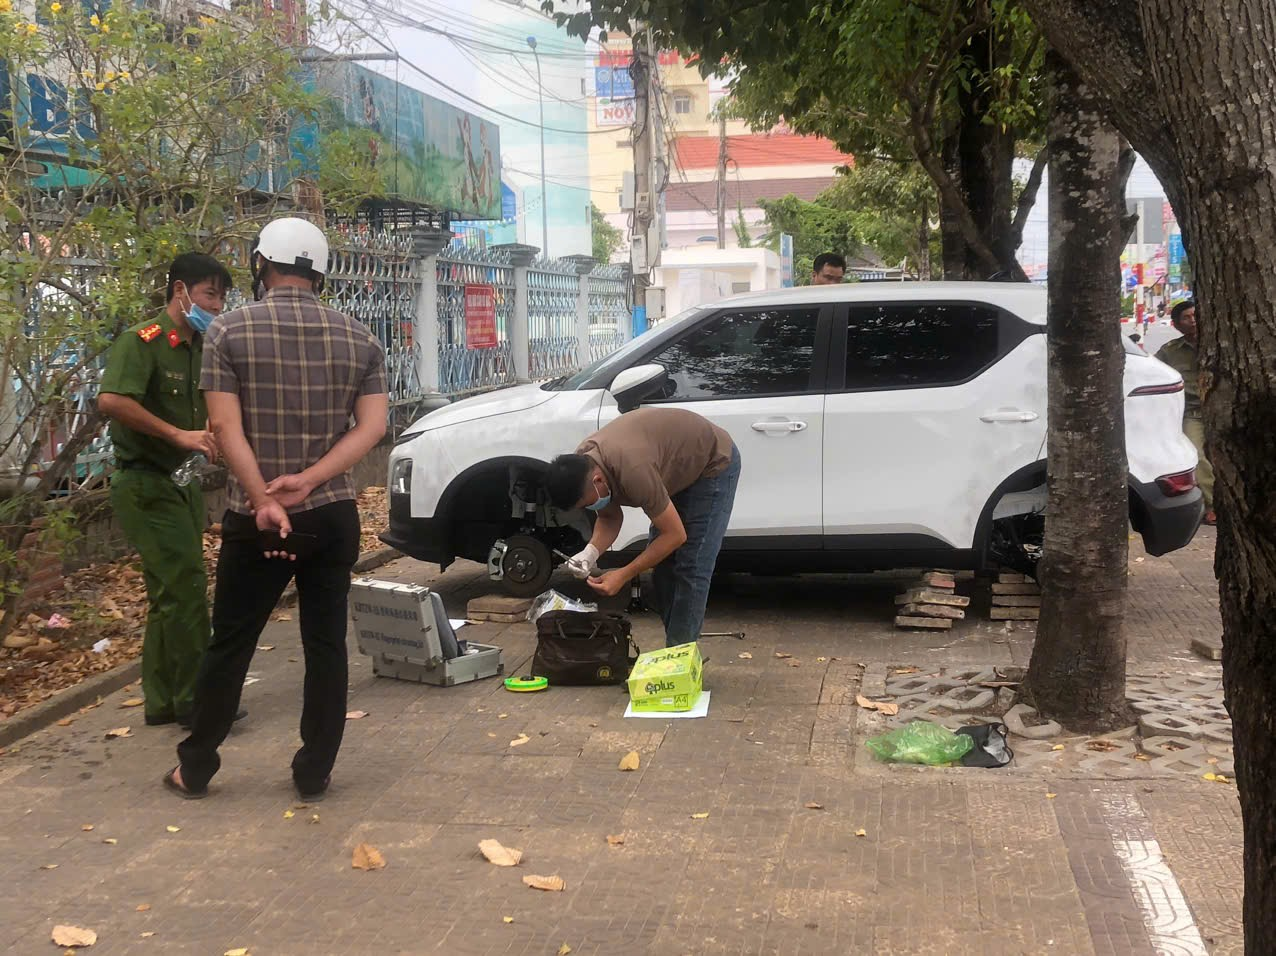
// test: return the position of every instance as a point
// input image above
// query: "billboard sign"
(613, 83)
(786, 261)
(428, 151)
(616, 113)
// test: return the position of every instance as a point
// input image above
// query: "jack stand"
(636, 605)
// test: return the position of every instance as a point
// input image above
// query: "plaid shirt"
(297, 366)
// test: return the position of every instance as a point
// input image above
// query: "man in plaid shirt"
(283, 379)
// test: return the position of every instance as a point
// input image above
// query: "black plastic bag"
(990, 749)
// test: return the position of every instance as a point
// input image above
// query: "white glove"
(582, 565)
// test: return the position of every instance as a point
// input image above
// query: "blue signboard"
(786, 261)
(613, 83)
(1176, 248)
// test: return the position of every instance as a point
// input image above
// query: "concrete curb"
(67, 702)
(63, 704)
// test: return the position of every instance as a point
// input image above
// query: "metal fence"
(463, 369)
(373, 277)
(608, 310)
(552, 293)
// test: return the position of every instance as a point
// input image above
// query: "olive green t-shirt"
(1179, 355)
(651, 453)
(150, 363)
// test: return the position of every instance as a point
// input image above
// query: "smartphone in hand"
(297, 543)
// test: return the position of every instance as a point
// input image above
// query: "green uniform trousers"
(165, 523)
(1194, 429)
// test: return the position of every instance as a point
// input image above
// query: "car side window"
(741, 353)
(918, 345)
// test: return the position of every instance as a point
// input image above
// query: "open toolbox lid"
(401, 622)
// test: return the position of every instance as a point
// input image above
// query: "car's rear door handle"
(1009, 415)
(771, 428)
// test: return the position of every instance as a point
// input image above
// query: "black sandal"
(180, 789)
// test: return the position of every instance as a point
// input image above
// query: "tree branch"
(1028, 198)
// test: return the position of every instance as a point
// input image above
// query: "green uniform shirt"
(150, 363)
(1180, 356)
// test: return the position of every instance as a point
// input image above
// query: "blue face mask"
(602, 502)
(199, 318)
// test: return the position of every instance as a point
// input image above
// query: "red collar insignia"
(173, 338)
(150, 333)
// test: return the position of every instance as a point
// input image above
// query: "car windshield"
(609, 364)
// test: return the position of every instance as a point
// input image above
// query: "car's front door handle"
(1009, 415)
(772, 428)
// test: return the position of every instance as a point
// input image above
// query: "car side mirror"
(632, 386)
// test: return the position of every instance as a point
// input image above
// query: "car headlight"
(401, 477)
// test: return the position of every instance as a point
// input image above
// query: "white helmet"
(292, 241)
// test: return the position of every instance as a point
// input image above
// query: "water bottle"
(189, 469)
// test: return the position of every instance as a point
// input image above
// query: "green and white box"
(667, 681)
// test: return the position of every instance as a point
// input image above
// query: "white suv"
(880, 426)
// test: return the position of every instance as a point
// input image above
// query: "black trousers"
(248, 588)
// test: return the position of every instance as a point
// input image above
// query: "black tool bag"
(575, 647)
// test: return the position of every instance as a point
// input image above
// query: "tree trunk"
(1194, 94)
(923, 243)
(952, 244)
(1077, 671)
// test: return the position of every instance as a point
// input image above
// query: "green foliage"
(888, 203)
(178, 139)
(815, 228)
(606, 237)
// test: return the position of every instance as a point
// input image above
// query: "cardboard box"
(668, 680)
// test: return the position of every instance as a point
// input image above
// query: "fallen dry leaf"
(501, 716)
(237, 951)
(794, 663)
(66, 721)
(900, 670)
(520, 740)
(745, 656)
(1057, 747)
(630, 761)
(507, 919)
(550, 884)
(356, 715)
(782, 656)
(564, 950)
(289, 814)
(881, 706)
(172, 829)
(861, 832)
(490, 734)
(699, 816)
(110, 841)
(821, 660)
(1051, 796)
(133, 702)
(143, 907)
(148, 935)
(265, 647)
(282, 616)
(814, 806)
(499, 855)
(314, 818)
(73, 936)
(367, 858)
(292, 660)
(118, 732)
(615, 839)
(86, 827)
(49, 866)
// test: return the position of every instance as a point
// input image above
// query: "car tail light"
(1180, 484)
(1158, 390)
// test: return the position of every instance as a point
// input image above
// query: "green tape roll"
(523, 685)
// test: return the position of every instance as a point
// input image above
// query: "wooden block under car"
(1210, 650)
(938, 579)
(1016, 588)
(498, 608)
(928, 596)
(929, 623)
(1015, 614)
(932, 610)
(1007, 577)
(1016, 600)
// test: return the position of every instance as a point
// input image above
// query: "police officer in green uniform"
(150, 391)
(1180, 355)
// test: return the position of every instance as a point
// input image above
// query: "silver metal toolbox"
(405, 630)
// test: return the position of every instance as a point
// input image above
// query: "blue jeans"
(681, 582)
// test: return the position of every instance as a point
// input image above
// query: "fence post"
(584, 266)
(521, 257)
(427, 243)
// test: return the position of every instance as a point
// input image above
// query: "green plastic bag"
(921, 742)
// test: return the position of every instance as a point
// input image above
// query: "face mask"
(602, 502)
(197, 317)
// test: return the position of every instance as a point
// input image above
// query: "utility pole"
(540, 89)
(722, 180)
(644, 252)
